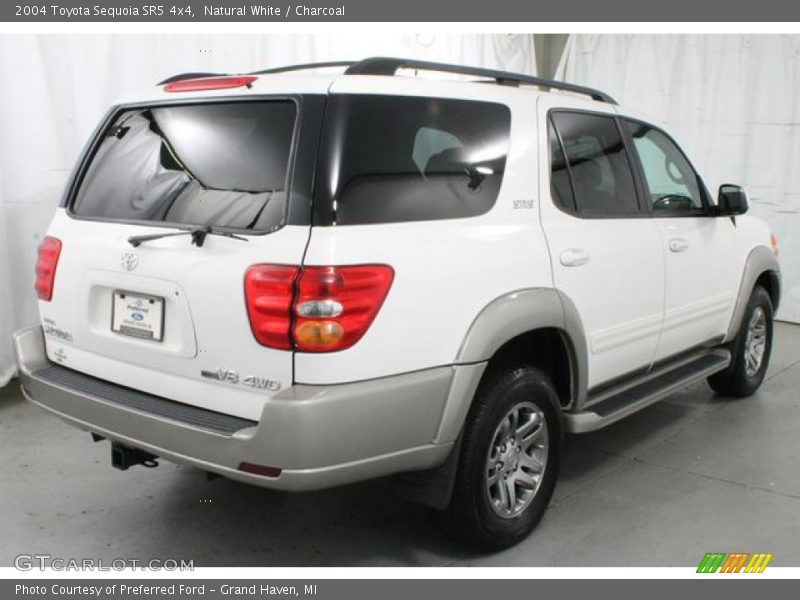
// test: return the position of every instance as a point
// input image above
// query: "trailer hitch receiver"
(123, 457)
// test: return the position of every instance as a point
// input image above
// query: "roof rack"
(304, 67)
(272, 71)
(390, 66)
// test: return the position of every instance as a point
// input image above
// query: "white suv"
(300, 280)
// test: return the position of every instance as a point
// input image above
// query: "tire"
(477, 514)
(743, 377)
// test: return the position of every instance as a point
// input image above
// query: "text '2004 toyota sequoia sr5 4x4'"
(301, 278)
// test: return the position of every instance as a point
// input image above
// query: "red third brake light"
(314, 309)
(46, 263)
(209, 83)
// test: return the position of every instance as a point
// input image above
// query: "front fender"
(760, 260)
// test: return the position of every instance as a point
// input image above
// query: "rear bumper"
(319, 436)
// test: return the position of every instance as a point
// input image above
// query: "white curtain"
(6, 308)
(732, 102)
(55, 88)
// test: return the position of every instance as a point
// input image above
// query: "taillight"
(209, 83)
(314, 309)
(336, 305)
(46, 263)
(269, 290)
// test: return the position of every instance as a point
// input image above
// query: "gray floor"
(693, 474)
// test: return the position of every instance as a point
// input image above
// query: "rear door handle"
(678, 245)
(573, 257)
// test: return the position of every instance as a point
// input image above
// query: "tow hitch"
(123, 457)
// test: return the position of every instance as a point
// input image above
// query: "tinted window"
(598, 164)
(672, 183)
(560, 185)
(223, 165)
(389, 159)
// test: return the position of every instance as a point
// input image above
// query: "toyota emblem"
(130, 260)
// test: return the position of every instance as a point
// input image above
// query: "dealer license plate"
(138, 315)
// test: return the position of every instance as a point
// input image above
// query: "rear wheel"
(509, 459)
(750, 349)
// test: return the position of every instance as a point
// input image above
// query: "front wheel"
(750, 349)
(509, 459)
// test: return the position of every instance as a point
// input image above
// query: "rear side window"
(390, 159)
(223, 165)
(597, 164)
(560, 184)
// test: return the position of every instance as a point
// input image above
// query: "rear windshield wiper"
(198, 236)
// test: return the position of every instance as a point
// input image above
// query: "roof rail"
(304, 67)
(272, 71)
(389, 66)
(182, 76)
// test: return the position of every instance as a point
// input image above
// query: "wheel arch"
(513, 321)
(536, 326)
(761, 268)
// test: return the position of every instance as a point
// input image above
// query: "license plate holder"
(136, 315)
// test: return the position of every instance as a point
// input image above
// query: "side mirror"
(732, 201)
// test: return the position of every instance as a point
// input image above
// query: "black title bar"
(187, 11)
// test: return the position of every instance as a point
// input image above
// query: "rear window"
(391, 159)
(225, 165)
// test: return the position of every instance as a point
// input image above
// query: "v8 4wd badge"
(231, 376)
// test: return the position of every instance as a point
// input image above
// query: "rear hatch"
(168, 315)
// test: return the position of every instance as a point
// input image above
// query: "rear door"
(605, 251)
(169, 316)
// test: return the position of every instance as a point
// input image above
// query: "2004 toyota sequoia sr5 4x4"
(300, 280)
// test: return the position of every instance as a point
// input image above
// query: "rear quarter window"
(392, 159)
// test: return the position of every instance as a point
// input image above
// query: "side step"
(631, 397)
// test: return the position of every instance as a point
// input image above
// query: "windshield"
(220, 165)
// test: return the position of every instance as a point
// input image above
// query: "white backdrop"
(732, 102)
(54, 89)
